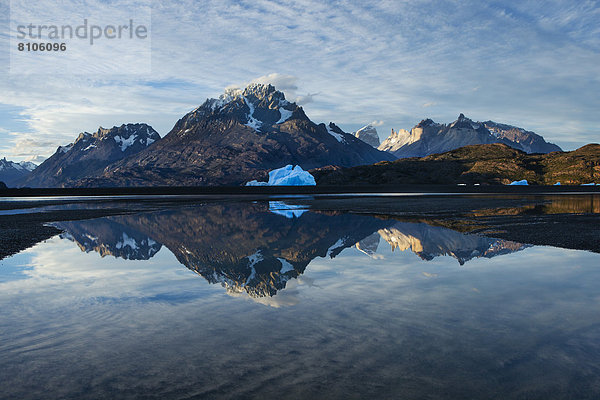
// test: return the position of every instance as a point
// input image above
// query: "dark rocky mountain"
(429, 137)
(521, 139)
(237, 138)
(368, 134)
(2, 185)
(483, 164)
(12, 172)
(90, 153)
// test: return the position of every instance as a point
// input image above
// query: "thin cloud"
(377, 60)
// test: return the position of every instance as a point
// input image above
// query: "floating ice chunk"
(588, 184)
(287, 176)
(522, 182)
(257, 183)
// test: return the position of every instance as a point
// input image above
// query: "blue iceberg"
(287, 176)
(520, 183)
(286, 210)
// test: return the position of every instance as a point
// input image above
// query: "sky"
(533, 64)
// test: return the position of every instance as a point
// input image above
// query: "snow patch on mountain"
(285, 115)
(28, 165)
(125, 143)
(285, 266)
(335, 246)
(252, 122)
(339, 137)
(127, 241)
(252, 261)
(65, 149)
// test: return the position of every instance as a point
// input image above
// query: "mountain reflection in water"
(257, 248)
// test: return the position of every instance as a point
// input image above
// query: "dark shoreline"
(292, 190)
(522, 214)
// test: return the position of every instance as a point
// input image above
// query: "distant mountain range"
(240, 137)
(12, 172)
(90, 153)
(226, 141)
(483, 164)
(429, 137)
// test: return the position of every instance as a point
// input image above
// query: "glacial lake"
(267, 300)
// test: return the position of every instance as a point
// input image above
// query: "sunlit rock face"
(370, 244)
(368, 134)
(429, 242)
(429, 137)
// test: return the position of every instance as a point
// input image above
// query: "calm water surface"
(262, 300)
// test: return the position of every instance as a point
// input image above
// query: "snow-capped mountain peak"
(91, 152)
(258, 106)
(28, 165)
(236, 138)
(336, 132)
(11, 172)
(368, 134)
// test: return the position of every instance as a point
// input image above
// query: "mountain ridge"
(90, 153)
(237, 138)
(429, 137)
(12, 172)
